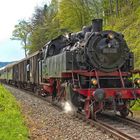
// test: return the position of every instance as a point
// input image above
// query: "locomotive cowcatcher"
(93, 69)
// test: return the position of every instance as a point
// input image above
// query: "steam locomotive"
(92, 69)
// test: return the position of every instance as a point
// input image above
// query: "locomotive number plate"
(110, 50)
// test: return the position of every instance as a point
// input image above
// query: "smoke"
(67, 106)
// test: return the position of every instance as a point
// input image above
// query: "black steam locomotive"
(98, 66)
(92, 69)
(91, 49)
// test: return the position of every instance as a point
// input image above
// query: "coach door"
(28, 70)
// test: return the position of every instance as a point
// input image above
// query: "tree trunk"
(25, 50)
(117, 7)
(127, 2)
(110, 3)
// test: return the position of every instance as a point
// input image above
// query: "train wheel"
(124, 113)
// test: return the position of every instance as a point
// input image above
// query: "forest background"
(61, 16)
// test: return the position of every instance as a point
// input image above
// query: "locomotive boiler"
(92, 68)
(91, 49)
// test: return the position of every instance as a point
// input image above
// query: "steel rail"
(107, 128)
(133, 122)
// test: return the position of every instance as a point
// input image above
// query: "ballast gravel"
(48, 123)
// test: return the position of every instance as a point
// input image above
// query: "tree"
(117, 7)
(21, 32)
(74, 15)
(110, 3)
(45, 25)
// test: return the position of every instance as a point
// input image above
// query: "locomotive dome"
(106, 50)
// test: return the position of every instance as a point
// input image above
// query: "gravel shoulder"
(136, 115)
(47, 123)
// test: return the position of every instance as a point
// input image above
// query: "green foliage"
(136, 107)
(129, 25)
(45, 26)
(12, 126)
(76, 14)
(21, 32)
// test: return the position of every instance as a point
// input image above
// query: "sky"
(11, 11)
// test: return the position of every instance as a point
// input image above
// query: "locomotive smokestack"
(97, 25)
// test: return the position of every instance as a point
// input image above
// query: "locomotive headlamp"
(110, 36)
(137, 82)
(94, 81)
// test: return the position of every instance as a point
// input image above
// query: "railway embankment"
(49, 123)
(136, 110)
(12, 124)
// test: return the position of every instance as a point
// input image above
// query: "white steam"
(67, 107)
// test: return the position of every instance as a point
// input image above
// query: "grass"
(136, 107)
(12, 125)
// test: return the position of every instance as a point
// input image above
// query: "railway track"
(127, 128)
(134, 123)
(115, 126)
